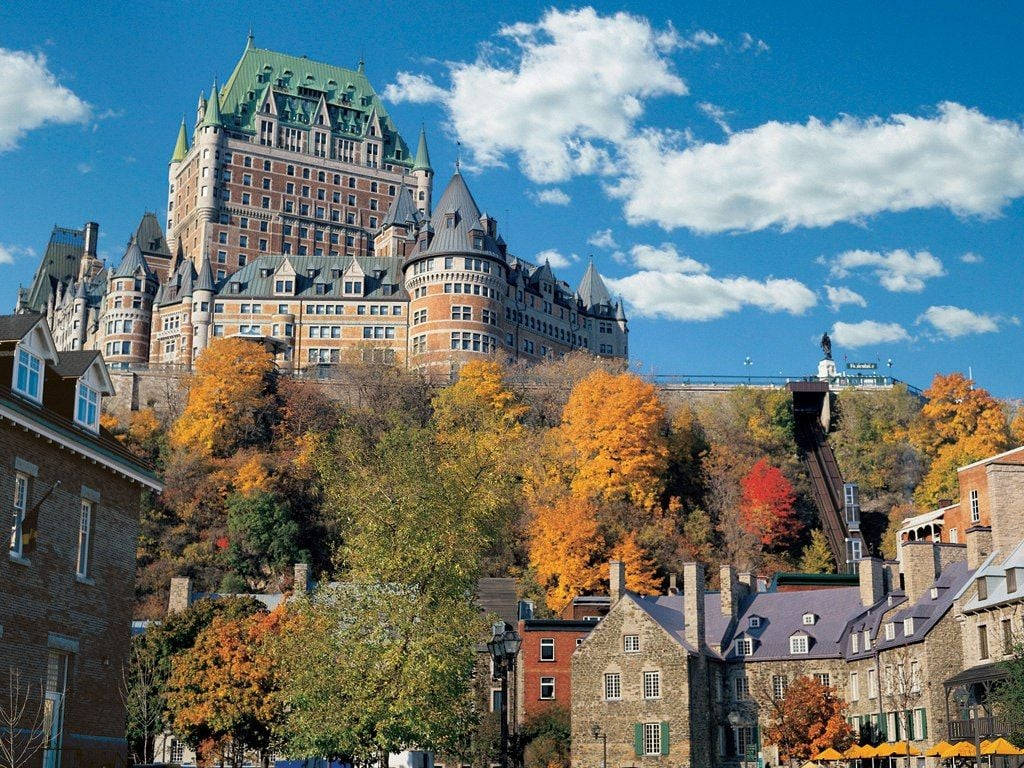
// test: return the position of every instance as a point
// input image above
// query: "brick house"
(71, 500)
(544, 665)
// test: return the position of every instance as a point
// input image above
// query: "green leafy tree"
(1009, 695)
(817, 557)
(264, 537)
(547, 739)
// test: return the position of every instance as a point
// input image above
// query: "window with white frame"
(84, 536)
(823, 678)
(87, 407)
(631, 643)
(798, 644)
(177, 751)
(652, 685)
(741, 685)
(890, 630)
(755, 622)
(975, 507)
(612, 686)
(854, 692)
(915, 676)
(18, 516)
(744, 646)
(779, 685)
(28, 374)
(547, 687)
(652, 738)
(867, 639)
(547, 649)
(908, 626)
(809, 619)
(854, 643)
(872, 684)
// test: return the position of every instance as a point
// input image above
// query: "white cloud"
(750, 43)
(700, 39)
(602, 239)
(555, 258)
(898, 270)
(84, 168)
(8, 253)
(664, 258)
(954, 322)
(553, 196)
(716, 114)
(30, 97)
(867, 332)
(838, 296)
(418, 89)
(971, 258)
(561, 94)
(678, 296)
(815, 174)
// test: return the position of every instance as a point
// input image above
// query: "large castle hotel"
(297, 216)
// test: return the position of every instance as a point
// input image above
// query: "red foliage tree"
(766, 506)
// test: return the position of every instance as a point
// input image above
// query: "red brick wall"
(45, 597)
(534, 669)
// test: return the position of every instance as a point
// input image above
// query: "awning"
(982, 673)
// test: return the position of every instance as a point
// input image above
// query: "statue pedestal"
(827, 370)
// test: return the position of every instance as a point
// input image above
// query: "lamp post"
(595, 729)
(504, 647)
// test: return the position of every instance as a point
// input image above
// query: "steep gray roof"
(454, 217)
(204, 281)
(498, 596)
(59, 264)
(132, 262)
(73, 363)
(383, 277)
(592, 290)
(14, 327)
(150, 237)
(994, 570)
(402, 211)
(178, 286)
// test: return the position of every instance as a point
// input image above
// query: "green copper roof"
(59, 264)
(181, 146)
(212, 115)
(422, 155)
(297, 84)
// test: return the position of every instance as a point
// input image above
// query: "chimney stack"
(872, 581)
(979, 544)
(730, 591)
(92, 234)
(181, 595)
(616, 580)
(300, 583)
(920, 567)
(693, 604)
(673, 584)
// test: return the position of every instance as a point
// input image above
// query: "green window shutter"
(664, 738)
(910, 724)
(924, 723)
(638, 739)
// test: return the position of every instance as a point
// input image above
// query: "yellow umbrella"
(884, 750)
(828, 754)
(961, 749)
(1000, 747)
(868, 751)
(852, 752)
(938, 750)
(901, 749)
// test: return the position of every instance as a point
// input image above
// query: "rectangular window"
(823, 678)
(612, 686)
(84, 534)
(87, 408)
(854, 693)
(652, 685)
(779, 685)
(631, 643)
(652, 738)
(547, 687)
(975, 509)
(18, 516)
(872, 684)
(744, 646)
(798, 644)
(742, 687)
(982, 641)
(28, 375)
(547, 649)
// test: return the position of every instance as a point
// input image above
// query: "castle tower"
(202, 308)
(424, 175)
(208, 140)
(397, 235)
(128, 310)
(456, 276)
(173, 169)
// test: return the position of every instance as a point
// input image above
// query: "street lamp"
(504, 647)
(595, 729)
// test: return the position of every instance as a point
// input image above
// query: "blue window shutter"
(638, 739)
(664, 738)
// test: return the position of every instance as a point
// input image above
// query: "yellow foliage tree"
(252, 476)
(1017, 427)
(958, 424)
(227, 396)
(640, 570)
(565, 550)
(612, 439)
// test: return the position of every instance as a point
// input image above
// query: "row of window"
(477, 342)
(471, 288)
(19, 534)
(613, 685)
(1008, 637)
(306, 173)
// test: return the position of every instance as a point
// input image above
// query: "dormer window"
(744, 646)
(449, 220)
(28, 375)
(908, 626)
(890, 630)
(798, 644)
(935, 593)
(755, 622)
(809, 619)
(284, 286)
(478, 242)
(87, 407)
(354, 287)
(982, 589)
(867, 639)
(854, 643)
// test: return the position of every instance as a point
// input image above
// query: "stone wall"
(1006, 501)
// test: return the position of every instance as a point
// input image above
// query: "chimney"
(300, 583)
(693, 604)
(979, 544)
(181, 595)
(747, 579)
(673, 584)
(872, 581)
(616, 580)
(92, 234)
(920, 567)
(729, 591)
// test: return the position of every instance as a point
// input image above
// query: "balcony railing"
(963, 730)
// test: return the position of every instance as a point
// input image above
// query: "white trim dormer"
(89, 390)
(31, 354)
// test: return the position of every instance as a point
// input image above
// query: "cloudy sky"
(744, 174)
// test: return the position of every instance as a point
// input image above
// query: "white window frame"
(755, 622)
(908, 626)
(854, 687)
(33, 366)
(823, 678)
(741, 687)
(799, 644)
(547, 681)
(872, 684)
(21, 486)
(744, 646)
(612, 686)
(652, 684)
(780, 683)
(85, 522)
(545, 644)
(890, 630)
(809, 619)
(88, 399)
(975, 506)
(631, 643)
(652, 739)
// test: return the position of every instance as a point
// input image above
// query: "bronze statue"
(826, 345)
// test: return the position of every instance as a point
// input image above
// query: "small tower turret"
(424, 175)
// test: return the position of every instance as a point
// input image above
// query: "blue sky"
(746, 174)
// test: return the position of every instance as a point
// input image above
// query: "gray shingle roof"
(498, 596)
(14, 327)
(592, 290)
(60, 263)
(204, 281)
(133, 262)
(73, 363)
(455, 217)
(383, 277)
(402, 210)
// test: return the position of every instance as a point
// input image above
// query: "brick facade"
(544, 667)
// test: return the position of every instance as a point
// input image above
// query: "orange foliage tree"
(766, 505)
(808, 719)
(228, 399)
(958, 424)
(221, 692)
(641, 573)
(565, 549)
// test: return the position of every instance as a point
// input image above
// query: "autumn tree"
(222, 691)
(808, 719)
(902, 688)
(890, 539)
(641, 573)
(959, 423)
(817, 557)
(546, 739)
(767, 505)
(229, 400)
(566, 549)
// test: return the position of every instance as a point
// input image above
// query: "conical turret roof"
(620, 310)
(455, 216)
(181, 145)
(422, 161)
(592, 290)
(402, 211)
(204, 282)
(132, 262)
(212, 115)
